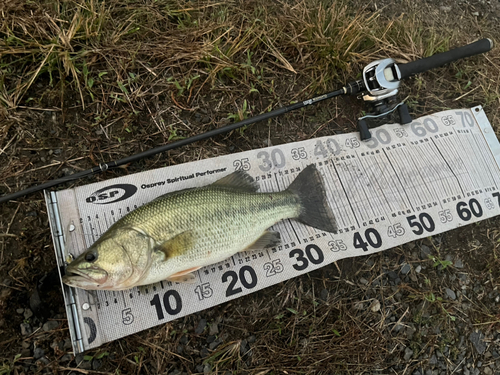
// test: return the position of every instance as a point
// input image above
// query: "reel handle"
(440, 59)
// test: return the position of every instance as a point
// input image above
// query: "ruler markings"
(378, 196)
(391, 182)
(446, 188)
(337, 200)
(406, 177)
(424, 186)
(421, 186)
(106, 220)
(473, 166)
(480, 162)
(389, 190)
(469, 164)
(367, 189)
(430, 173)
(399, 180)
(382, 208)
(458, 176)
(346, 195)
(459, 170)
(487, 164)
(352, 182)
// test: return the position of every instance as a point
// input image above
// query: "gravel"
(405, 269)
(450, 293)
(38, 353)
(201, 326)
(26, 329)
(408, 354)
(50, 325)
(477, 339)
(214, 329)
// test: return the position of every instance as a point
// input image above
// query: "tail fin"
(315, 212)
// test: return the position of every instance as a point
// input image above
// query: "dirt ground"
(84, 82)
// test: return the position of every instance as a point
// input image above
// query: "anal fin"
(186, 276)
(267, 240)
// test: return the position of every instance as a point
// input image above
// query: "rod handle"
(440, 59)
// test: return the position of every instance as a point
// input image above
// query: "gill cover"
(117, 260)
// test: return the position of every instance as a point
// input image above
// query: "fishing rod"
(378, 88)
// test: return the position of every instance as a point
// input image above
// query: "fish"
(177, 233)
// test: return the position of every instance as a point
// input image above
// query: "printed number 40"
(372, 238)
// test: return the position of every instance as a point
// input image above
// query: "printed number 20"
(248, 284)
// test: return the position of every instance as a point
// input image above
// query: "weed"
(227, 355)
(442, 264)
(241, 114)
(7, 368)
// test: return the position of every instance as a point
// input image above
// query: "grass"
(100, 80)
(111, 54)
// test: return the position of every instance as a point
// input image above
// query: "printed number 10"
(171, 310)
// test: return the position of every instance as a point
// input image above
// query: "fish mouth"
(80, 278)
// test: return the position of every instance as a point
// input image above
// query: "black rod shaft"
(195, 138)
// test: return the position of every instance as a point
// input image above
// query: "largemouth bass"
(180, 232)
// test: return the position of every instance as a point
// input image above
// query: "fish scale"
(229, 222)
(182, 231)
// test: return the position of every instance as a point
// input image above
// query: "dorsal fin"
(239, 180)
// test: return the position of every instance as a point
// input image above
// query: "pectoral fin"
(177, 245)
(267, 240)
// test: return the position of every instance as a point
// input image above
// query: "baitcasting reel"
(381, 78)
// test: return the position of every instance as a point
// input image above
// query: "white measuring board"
(407, 182)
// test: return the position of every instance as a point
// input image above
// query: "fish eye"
(91, 256)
